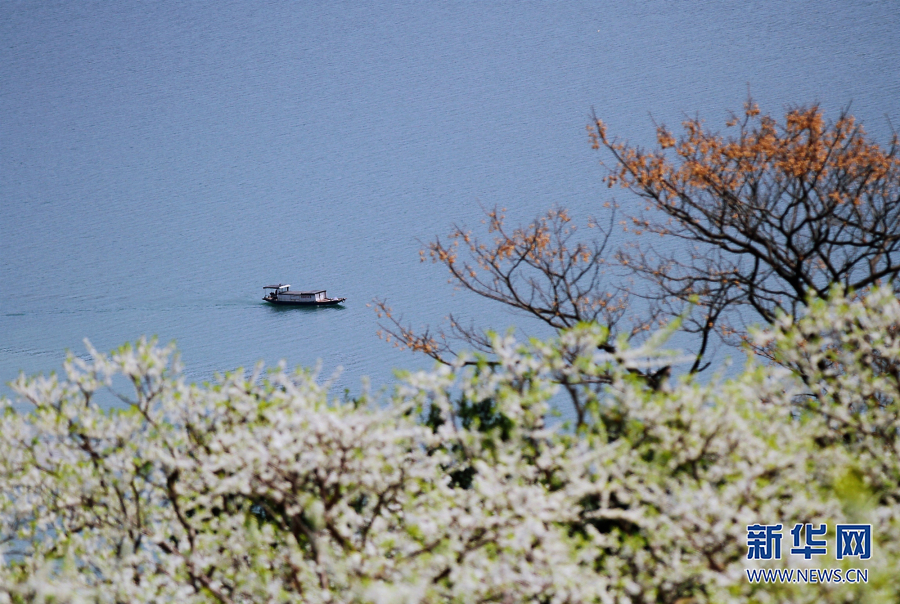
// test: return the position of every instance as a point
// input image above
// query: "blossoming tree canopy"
(261, 488)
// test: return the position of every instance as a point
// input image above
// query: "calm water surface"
(161, 162)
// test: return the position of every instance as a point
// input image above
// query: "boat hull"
(326, 302)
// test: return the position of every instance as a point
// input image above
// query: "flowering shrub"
(260, 488)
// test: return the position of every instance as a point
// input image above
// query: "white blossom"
(456, 487)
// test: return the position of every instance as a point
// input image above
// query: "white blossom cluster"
(456, 488)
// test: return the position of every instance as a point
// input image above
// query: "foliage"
(259, 488)
(767, 214)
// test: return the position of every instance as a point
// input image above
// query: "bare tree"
(764, 216)
(541, 270)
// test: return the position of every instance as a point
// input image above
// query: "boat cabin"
(283, 293)
(316, 296)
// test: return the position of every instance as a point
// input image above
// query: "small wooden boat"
(282, 294)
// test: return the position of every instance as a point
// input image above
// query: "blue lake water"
(161, 162)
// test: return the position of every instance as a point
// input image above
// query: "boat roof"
(297, 292)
